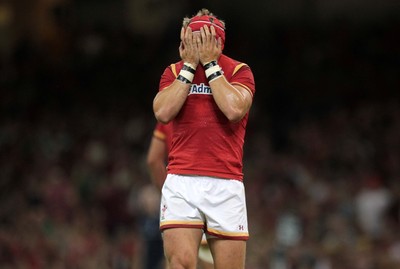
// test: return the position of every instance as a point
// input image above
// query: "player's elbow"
(235, 119)
(161, 113)
(235, 115)
(164, 118)
(236, 112)
(164, 114)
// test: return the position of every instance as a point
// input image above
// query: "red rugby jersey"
(204, 142)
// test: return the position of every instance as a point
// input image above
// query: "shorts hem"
(206, 174)
(183, 225)
(230, 237)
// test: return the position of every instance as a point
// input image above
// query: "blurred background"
(322, 155)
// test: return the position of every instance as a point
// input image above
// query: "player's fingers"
(194, 39)
(203, 35)
(189, 32)
(198, 40)
(181, 47)
(189, 37)
(182, 33)
(186, 34)
(219, 43)
(213, 32)
(207, 33)
(212, 36)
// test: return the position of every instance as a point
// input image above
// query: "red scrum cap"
(199, 21)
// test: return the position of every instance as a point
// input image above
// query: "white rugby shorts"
(216, 205)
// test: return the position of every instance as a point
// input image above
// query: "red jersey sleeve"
(167, 77)
(243, 76)
(164, 133)
(159, 132)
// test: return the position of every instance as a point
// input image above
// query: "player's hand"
(188, 47)
(210, 48)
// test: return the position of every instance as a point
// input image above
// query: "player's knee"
(182, 261)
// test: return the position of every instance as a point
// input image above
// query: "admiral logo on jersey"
(200, 89)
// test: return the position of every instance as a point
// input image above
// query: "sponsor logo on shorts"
(164, 208)
(200, 89)
(241, 228)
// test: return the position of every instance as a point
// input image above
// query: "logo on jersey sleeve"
(200, 89)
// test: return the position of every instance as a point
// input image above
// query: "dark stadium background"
(322, 156)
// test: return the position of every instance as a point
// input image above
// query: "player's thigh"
(181, 244)
(228, 253)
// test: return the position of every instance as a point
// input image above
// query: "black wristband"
(214, 75)
(210, 64)
(188, 68)
(183, 79)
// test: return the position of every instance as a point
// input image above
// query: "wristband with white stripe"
(211, 70)
(214, 76)
(186, 74)
(189, 67)
(210, 64)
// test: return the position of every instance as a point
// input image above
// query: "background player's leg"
(205, 256)
(228, 253)
(181, 247)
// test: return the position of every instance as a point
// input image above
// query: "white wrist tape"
(211, 70)
(186, 74)
(190, 65)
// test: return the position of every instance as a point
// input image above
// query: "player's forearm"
(158, 174)
(157, 171)
(168, 102)
(231, 100)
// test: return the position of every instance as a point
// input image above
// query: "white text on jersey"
(200, 89)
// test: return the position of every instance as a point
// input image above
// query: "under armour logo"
(241, 228)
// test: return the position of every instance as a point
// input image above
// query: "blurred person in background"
(156, 161)
(149, 201)
(207, 97)
(371, 203)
